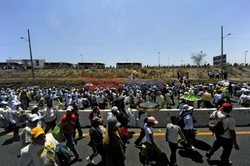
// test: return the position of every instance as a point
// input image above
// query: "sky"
(152, 32)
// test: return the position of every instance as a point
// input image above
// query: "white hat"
(70, 108)
(4, 102)
(15, 102)
(187, 107)
(33, 117)
(115, 109)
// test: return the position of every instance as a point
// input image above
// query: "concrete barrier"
(241, 116)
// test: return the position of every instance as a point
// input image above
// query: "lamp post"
(222, 37)
(82, 57)
(159, 59)
(31, 59)
(246, 57)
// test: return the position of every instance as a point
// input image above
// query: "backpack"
(63, 154)
(216, 125)
(180, 120)
(58, 133)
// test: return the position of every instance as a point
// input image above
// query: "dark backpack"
(180, 120)
(216, 125)
(63, 154)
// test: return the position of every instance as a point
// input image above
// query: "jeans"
(227, 145)
(50, 125)
(71, 144)
(77, 126)
(141, 136)
(173, 149)
(150, 150)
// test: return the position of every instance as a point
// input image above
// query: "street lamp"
(246, 57)
(222, 37)
(159, 59)
(32, 67)
(82, 57)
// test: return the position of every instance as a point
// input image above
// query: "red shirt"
(68, 123)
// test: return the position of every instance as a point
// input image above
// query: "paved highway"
(9, 150)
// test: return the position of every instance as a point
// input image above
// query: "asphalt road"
(9, 150)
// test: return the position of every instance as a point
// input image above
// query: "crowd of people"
(39, 146)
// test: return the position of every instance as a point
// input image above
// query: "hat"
(96, 120)
(34, 107)
(226, 107)
(33, 117)
(112, 121)
(4, 102)
(15, 102)
(151, 119)
(70, 108)
(115, 109)
(35, 132)
(187, 107)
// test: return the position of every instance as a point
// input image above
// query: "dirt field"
(76, 77)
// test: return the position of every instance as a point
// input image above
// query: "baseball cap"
(113, 122)
(226, 107)
(70, 108)
(35, 132)
(115, 109)
(33, 117)
(151, 119)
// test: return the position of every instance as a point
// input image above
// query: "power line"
(8, 44)
(136, 43)
(240, 38)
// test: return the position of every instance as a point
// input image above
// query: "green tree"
(198, 58)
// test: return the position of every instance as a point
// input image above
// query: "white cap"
(33, 117)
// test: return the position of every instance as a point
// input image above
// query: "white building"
(37, 63)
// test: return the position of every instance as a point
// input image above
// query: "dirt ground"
(77, 77)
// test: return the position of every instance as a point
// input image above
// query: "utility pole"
(221, 45)
(246, 57)
(32, 66)
(159, 59)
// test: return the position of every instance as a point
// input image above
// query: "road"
(9, 150)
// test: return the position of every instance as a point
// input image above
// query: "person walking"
(67, 122)
(142, 117)
(49, 117)
(149, 139)
(41, 151)
(226, 140)
(113, 145)
(172, 132)
(188, 129)
(96, 138)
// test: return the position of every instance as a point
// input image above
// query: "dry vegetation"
(78, 76)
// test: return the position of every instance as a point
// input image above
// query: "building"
(37, 63)
(128, 65)
(57, 65)
(10, 65)
(89, 65)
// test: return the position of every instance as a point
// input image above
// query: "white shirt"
(50, 114)
(148, 131)
(217, 97)
(38, 155)
(228, 123)
(25, 136)
(172, 133)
